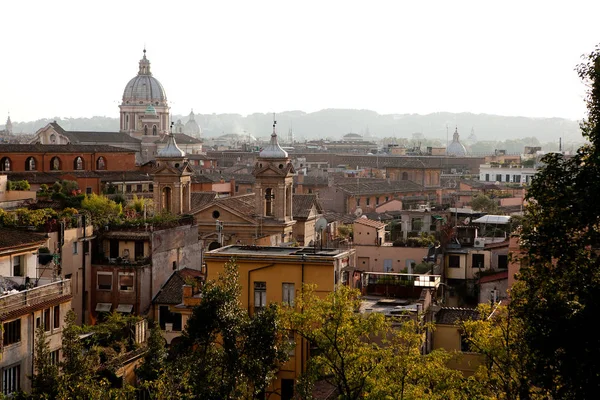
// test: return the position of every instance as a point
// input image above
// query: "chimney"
(187, 291)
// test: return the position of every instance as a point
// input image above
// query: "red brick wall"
(121, 161)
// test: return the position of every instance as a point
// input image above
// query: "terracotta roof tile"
(15, 238)
(450, 315)
(35, 307)
(172, 290)
(61, 148)
(370, 222)
(303, 203)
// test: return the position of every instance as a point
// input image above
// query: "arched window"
(154, 130)
(101, 163)
(405, 176)
(145, 129)
(52, 138)
(166, 199)
(5, 164)
(30, 164)
(269, 197)
(55, 164)
(78, 164)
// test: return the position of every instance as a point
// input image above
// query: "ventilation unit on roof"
(479, 242)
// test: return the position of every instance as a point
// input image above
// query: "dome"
(144, 87)
(150, 110)
(456, 148)
(273, 149)
(171, 150)
(191, 126)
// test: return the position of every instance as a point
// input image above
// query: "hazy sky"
(72, 59)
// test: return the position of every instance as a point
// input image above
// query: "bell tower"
(274, 175)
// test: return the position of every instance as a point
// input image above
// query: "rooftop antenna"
(560, 145)
(446, 138)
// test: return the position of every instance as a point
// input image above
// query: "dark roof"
(172, 291)
(37, 177)
(200, 199)
(450, 315)
(498, 276)
(244, 204)
(100, 137)
(369, 187)
(309, 180)
(202, 175)
(332, 216)
(180, 138)
(303, 203)
(26, 309)
(15, 238)
(61, 148)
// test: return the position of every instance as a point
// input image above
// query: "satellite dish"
(358, 212)
(321, 224)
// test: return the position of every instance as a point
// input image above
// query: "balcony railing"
(30, 297)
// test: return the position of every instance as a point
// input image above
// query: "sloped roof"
(370, 223)
(60, 148)
(172, 290)
(180, 138)
(100, 137)
(15, 238)
(200, 199)
(244, 204)
(368, 187)
(450, 315)
(332, 216)
(493, 219)
(303, 203)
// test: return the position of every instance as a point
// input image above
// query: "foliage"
(498, 336)
(138, 204)
(484, 203)
(224, 353)
(346, 231)
(559, 287)
(18, 185)
(154, 359)
(103, 211)
(43, 382)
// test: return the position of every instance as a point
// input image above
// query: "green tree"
(102, 210)
(225, 353)
(484, 203)
(155, 357)
(557, 296)
(45, 377)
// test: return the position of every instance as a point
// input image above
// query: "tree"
(557, 296)
(102, 210)
(224, 352)
(43, 382)
(155, 357)
(498, 336)
(484, 203)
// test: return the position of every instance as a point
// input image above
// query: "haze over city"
(70, 59)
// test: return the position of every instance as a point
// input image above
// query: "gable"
(43, 136)
(207, 215)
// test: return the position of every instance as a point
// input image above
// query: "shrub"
(18, 185)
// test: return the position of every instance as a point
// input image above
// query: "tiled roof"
(180, 138)
(244, 204)
(200, 199)
(450, 315)
(100, 137)
(35, 307)
(172, 291)
(332, 216)
(303, 203)
(370, 223)
(61, 148)
(15, 238)
(366, 187)
(495, 277)
(309, 180)
(105, 176)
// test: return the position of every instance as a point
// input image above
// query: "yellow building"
(276, 274)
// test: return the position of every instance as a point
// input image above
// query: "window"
(358, 202)
(56, 317)
(287, 389)
(75, 247)
(138, 249)
(55, 357)
(405, 176)
(55, 164)
(88, 190)
(154, 131)
(145, 129)
(376, 201)
(487, 177)
(464, 344)
(454, 261)
(126, 281)
(128, 188)
(104, 280)
(30, 164)
(507, 178)
(502, 261)
(53, 138)
(138, 188)
(78, 164)
(368, 200)
(498, 177)
(18, 266)
(165, 316)
(477, 261)
(260, 295)
(288, 293)
(11, 379)
(47, 320)
(12, 332)
(237, 188)
(5, 164)
(101, 163)
(269, 197)
(517, 178)
(151, 187)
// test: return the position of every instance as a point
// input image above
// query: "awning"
(125, 308)
(103, 307)
(437, 217)
(493, 219)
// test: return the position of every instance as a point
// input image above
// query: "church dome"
(171, 150)
(191, 126)
(144, 87)
(456, 148)
(273, 149)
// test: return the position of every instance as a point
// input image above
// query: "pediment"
(269, 169)
(226, 215)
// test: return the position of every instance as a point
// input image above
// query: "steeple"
(455, 136)
(273, 149)
(8, 126)
(171, 150)
(191, 115)
(144, 65)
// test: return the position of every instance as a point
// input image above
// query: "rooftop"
(16, 238)
(61, 148)
(17, 303)
(370, 223)
(451, 315)
(297, 252)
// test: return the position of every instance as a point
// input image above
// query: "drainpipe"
(32, 342)
(249, 272)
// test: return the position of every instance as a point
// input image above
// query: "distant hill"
(334, 123)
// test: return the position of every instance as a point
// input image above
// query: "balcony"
(11, 302)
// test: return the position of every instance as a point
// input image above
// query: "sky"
(517, 58)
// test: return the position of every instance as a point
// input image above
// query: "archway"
(166, 199)
(30, 164)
